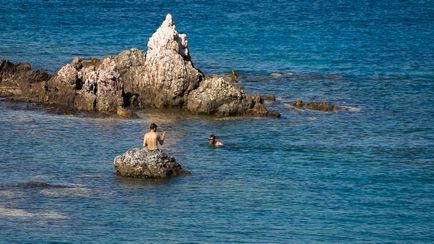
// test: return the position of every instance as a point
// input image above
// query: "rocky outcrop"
(144, 163)
(318, 106)
(163, 77)
(216, 96)
(20, 82)
(87, 85)
(167, 74)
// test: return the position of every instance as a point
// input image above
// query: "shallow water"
(362, 174)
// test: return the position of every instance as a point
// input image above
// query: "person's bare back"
(152, 138)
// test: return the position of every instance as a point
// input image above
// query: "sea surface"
(362, 174)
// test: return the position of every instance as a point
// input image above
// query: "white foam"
(351, 109)
(8, 194)
(14, 212)
(63, 192)
(21, 213)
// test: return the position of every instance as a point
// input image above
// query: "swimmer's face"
(211, 140)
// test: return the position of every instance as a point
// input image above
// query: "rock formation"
(216, 96)
(144, 163)
(20, 82)
(163, 77)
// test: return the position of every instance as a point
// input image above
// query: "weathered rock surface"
(144, 163)
(87, 85)
(20, 82)
(216, 96)
(167, 74)
(163, 77)
(319, 106)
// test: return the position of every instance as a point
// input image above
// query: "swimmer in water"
(212, 140)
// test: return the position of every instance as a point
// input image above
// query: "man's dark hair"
(211, 137)
(153, 126)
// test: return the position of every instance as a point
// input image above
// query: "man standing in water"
(152, 138)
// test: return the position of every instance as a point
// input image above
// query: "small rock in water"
(319, 106)
(35, 184)
(273, 114)
(270, 97)
(298, 104)
(144, 163)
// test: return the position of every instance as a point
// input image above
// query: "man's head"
(153, 127)
(211, 139)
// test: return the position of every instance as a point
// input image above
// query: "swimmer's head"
(211, 138)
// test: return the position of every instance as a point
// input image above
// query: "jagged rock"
(319, 106)
(144, 163)
(216, 96)
(130, 65)
(231, 77)
(20, 82)
(87, 85)
(168, 74)
(164, 77)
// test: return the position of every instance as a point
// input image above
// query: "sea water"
(362, 174)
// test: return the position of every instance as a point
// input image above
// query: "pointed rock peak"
(168, 22)
(167, 38)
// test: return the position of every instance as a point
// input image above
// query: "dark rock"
(298, 104)
(273, 114)
(21, 83)
(319, 106)
(270, 97)
(36, 184)
(144, 163)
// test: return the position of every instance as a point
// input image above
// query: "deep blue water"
(364, 174)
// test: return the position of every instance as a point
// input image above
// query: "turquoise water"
(364, 174)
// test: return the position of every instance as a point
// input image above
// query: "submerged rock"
(319, 106)
(144, 163)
